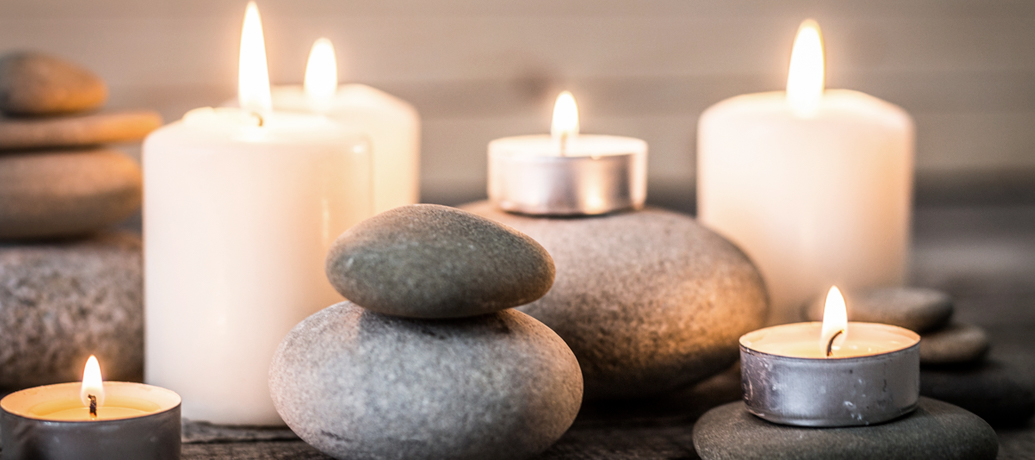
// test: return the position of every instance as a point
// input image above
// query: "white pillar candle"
(392, 124)
(816, 187)
(240, 208)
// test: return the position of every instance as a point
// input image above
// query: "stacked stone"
(428, 359)
(68, 287)
(954, 356)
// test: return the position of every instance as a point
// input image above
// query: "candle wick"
(564, 143)
(830, 344)
(93, 407)
(258, 116)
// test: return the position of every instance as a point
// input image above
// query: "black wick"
(564, 142)
(259, 117)
(830, 344)
(93, 406)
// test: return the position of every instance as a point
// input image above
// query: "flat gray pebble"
(361, 385)
(431, 261)
(956, 344)
(66, 192)
(77, 130)
(999, 392)
(917, 309)
(935, 431)
(650, 301)
(36, 84)
(62, 301)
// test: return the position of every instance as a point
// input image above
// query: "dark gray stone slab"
(999, 391)
(935, 431)
(36, 84)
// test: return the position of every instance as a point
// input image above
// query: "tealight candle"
(833, 373)
(567, 173)
(91, 419)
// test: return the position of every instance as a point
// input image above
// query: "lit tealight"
(805, 77)
(565, 120)
(92, 392)
(835, 322)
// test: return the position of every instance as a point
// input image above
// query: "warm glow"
(565, 117)
(805, 78)
(92, 384)
(321, 72)
(253, 78)
(835, 319)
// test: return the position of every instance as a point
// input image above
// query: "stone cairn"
(428, 359)
(68, 286)
(955, 363)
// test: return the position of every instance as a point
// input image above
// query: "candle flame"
(92, 383)
(835, 320)
(253, 78)
(565, 117)
(805, 77)
(321, 72)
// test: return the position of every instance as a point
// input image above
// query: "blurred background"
(478, 70)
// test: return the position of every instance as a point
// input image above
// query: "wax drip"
(93, 407)
(830, 344)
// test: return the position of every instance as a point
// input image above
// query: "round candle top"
(799, 340)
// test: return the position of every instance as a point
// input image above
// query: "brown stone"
(77, 131)
(37, 84)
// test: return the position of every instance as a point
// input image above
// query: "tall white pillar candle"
(240, 208)
(815, 186)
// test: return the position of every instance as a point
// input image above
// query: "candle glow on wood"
(93, 385)
(805, 77)
(565, 120)
(835, 320)
(253, 79)
(321, 74)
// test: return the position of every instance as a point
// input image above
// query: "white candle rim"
(166, 399)
(915, 338)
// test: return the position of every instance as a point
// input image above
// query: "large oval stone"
(649, 301)
(63, 193)
(358, 384)
(62, 301)
(37, 84)
(935, 431)
(431, 261)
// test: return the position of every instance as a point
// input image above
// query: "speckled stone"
(916, 309)
(62, 301)
(35, 84)
(997, 391)
(358, 384)
(649, 301)
(955, 344)
(935, 431)
(431, 261)
(77, 130)
(64, 193)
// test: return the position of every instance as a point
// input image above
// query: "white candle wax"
(392, 124)
(238, 218)
(61, 402)
(801, 340)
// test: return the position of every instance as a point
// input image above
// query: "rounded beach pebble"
(62, 301)
(917, 309)
(1001, 392)
(955, 344)
(359, 384)
(935, 431)
(431, 261)
(65, 192)
(37, 84)
(649, 301)
(77, 131)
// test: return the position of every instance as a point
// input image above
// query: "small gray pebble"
(998, 391)
(361, 385)
(431, 261)
(66, 192)
(77, 130)
(917, 309)
(36, 84)
(935, 431)
(955, 344)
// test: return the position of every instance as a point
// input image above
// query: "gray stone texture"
(996, 390)
(63, 193)
(361, 385)
(955, 344)
(935, 431)
(431, 261)
(62, 301)
(916, 309)
(649, 301)
(35, 84)
(77, 130)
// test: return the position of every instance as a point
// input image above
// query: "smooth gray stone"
(62, 301)
(956, 344)
(35, 84)
(936, 431)
(77, 130)
(650, 301)
(917, 309)
(65, 192)
(1000, 392)
(431, 261)
(361, 385)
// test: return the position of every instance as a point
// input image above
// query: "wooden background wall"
(478, 70)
